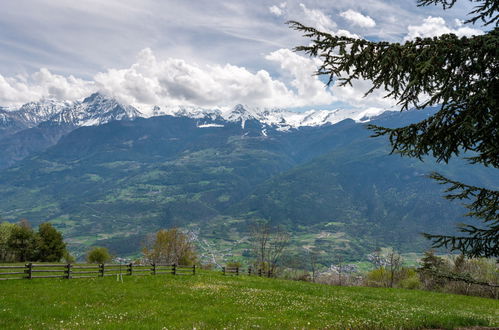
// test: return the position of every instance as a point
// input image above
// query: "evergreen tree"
(461, 76)
(51, 246)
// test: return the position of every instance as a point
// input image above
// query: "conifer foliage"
(461, 77)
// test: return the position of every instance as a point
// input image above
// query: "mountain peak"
(99, 108)
(95, 97)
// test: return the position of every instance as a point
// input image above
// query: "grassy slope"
(210, 300)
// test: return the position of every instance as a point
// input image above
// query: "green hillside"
(332, 187)
(212, 301)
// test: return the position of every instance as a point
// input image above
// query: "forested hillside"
(332, 186)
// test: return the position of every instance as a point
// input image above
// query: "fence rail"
(70, 271)
(237, 271)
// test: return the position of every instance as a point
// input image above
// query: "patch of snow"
(210, 125)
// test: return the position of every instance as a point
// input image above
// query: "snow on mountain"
(280, 119)
(99, 109)
(96, 109)
(33, 113)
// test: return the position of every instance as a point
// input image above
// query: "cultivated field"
(210, 300)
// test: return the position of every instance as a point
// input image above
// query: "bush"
(98, 255)
(411, 283)
(377, 278)
(68, 258)
(234, 264)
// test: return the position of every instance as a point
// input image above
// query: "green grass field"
(210, 300)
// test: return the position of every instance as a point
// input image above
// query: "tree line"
(20, 243)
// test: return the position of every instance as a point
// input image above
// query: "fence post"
(268, 274)
(174, 269)
(249, 270)
(29, 270)
(68, 271)
(154, 268)
(130, 267)
(259, 272)
(193, 269)
(101, 270)
(223, 270)
(237, 271)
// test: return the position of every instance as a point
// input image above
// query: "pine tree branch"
(485, 12)
(461, 75)
(485, 202)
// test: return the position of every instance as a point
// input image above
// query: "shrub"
(170, 246)
(68, 258)
(234, 264)
(377, 278)
(98, 255)
(412, 283)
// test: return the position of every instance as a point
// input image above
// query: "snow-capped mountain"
(279, 119)
(96, 109)
(99, 109)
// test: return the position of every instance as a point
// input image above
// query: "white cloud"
(354, 96)
(174, 81)
(435, 26)
(321, 21)
(20, 89)
(301, 69)
(275, 10)
(358, 19)
(170, 81)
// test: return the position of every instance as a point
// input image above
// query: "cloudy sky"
(201, 52)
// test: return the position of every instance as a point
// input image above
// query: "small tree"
(260, 237)
(68, 257)
(268, 244)
(313, 256)
(22, 241)
(98, 255)
(6, 229)
(394, 266)
(51, 246)
(170, 246)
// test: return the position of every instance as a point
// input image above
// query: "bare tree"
(394, 264)
(340, 269)
(312, 259)
(279, 239)
(260, 237)
(268, 244)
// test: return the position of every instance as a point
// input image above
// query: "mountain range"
(108, 174)
(37, 125)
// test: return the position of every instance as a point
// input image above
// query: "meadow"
(209, 300)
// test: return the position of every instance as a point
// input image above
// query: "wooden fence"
(230, 270)
(237, 271)
(69, 271)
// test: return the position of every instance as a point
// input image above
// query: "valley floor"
(210, 300)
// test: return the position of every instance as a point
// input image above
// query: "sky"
(205, 53)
